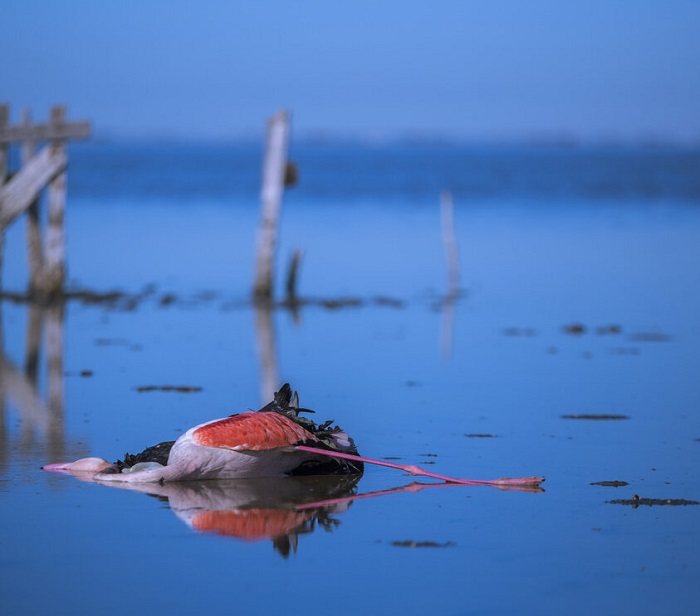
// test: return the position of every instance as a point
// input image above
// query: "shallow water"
(571, 305)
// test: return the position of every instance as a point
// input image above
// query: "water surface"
(579, 296)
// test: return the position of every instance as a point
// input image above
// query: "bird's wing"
(252, 431)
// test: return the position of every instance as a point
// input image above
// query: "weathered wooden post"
(4, 118)
(292, 276)
(274, 171)
(4, 148)
(53, 271)
(450, 241)
(35, 253)
(4, 449)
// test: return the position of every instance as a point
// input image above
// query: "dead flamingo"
(271, 442)
(246, 445)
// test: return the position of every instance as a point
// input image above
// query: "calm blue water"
(548, 238)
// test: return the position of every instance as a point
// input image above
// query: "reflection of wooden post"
(271, 201)
(447, 326)
(32, 344)
(4, 435)
(4, 148)
(44, 419)
(54, 365)
(267, 351)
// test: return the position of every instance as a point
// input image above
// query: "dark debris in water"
(649, 337)
(608, 330)
(596, 417)
(422, 544)
(121, 300)
(167, 299)
(610, 484)
(520, 331)
(342, 302)
(624, 351)
(332, 303)
(575, 329)
(181, 389)
(390, 302)
(637, 501)
(117, 300)
(122, 342)
(476, 435)
(578, 329)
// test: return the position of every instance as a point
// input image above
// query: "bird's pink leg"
(417, 470)
(412, 487)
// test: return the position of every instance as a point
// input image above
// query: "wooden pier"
(21, 192)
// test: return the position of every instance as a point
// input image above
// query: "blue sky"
(472, 69)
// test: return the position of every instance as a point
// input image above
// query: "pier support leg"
(4, 118)
(35, 250)
(47, 279)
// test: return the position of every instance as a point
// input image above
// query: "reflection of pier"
(42, 432)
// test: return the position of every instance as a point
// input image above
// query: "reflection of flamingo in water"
(277, 509)
(271, 442)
